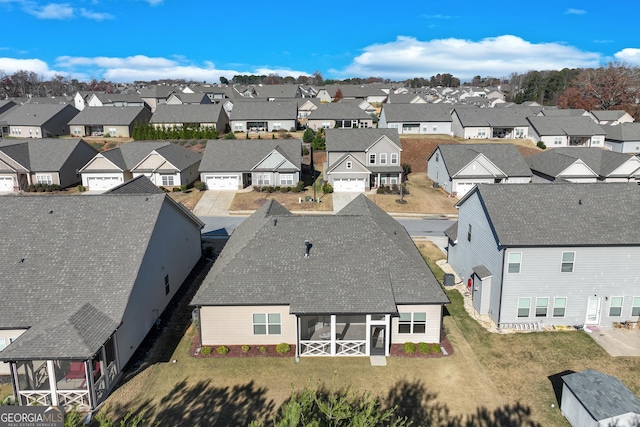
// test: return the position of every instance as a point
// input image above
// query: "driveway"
(215, 203)
(342, 199)
(617, 342)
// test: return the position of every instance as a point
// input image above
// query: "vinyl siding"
(574, 411)
(8, 334)
(100, 163)
(233, 325)
(437, 172)
(433, 328)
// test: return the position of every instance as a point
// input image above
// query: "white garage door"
(348, 184)
(463, 188)
(6, 184)
(102, 183)
(222, 182)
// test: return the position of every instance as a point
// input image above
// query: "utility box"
(449, 280)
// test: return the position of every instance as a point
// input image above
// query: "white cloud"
(96, 16)
(50, 11)
(575, 12)
(282, 72)
(11, 65)
(132, 62)
(407, 57)
(629, 56)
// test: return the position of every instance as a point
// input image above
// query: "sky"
(203, 40)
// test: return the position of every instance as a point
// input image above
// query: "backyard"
(490, 379)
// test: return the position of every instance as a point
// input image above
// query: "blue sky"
(127, 40)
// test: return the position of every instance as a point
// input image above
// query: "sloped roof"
(277, 91)
(40, 155)
(138, 185)
(602, 395)
(109, 98)
(223, 155)
(361, 261)
(358, 140)
(607, 115)
(563, 112)
(130, 154)
(623, 132)
(187, 113)
(36, 114)
(337, 111)
(505, 156)
(569, 125)
(417, 112)
(124, 116)
(493, 117)
(553, 162)
(190, 98)
(561, 214)
(264, 110)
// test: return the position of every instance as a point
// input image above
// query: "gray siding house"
(349, 284)
(546, 255)
(264, 116)
(338, 115)
(191, 115)
(39, 120)
(566, 131)
(418, 118)
(489, 123)
(623, 138)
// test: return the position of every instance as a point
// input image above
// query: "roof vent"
(307, 248)
(21, 261)
(50, 212)
(579, 201)
(275, 222)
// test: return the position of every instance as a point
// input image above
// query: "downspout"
(501, 287)
(297, 359)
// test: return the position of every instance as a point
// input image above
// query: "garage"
(102, 183)
(6, 184)
(348, 184)
(222, 182)
(463, 188)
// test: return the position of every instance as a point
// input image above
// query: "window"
(394, 158)
(482, 133)
(557, 140)
(541, 307)
(567, 262)
(559, 306)
(412, 323)
(372, 159)
(393, 180)
(286, 179)
(3, 344)
(435, 129)
(383, 158)
(524, 304)
(263, 179)
(437, 156)
(167, 179)
(326, 125)
(112, 131)
(349, 165)
(635, 309)
(266, 324)
(44, 179)
(238, 126)
(166, 285)
(615, 308)
(277, 126)
(515, 259)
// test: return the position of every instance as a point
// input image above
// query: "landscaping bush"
(305, 151)
(200, 186)
(81, 188)
(164, 189)
(327, 188)
(222, 350)
(269, 189)
(276, 188)
(42, 188)
(245, 348)
(176, 189)
(540, 144)
(424, 348)
(307, 137)
(285, 189)
(300, 186)
(263, 349)
(206, 350)
(409, 347)
(383, 189)
(283, 348)
(230, 135)
(183, 188)
(435, 348)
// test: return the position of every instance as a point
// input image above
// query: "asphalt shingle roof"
(607, 115)
(264, 110)
(41, 155)
(187, 113)
(602, 395)
(565, 125)
(494, 117)
(562, 214)
(417, 112)
(553, 162)
(138, 185)
(223, 155)
(623, 132)
(107, 116)
(358, 140)
(36, 114)
(338, 111)
(505, 156)
(128, 155)
(361, 261)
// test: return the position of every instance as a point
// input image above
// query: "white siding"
(573, 410)
(7, 335)
(433, 328)
(437, 171)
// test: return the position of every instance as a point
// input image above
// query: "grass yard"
(253, 200)
(189, 198)
(5, 390)
(422, 198)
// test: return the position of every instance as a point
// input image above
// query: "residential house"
(362, 104)
(540, 255)
(405, 98)
(566, 131)
(38, 120)
(611, 117)
(156, 95)
(338, 115)
(577, 164)
(278, 92)
(563, 112)
(305, 107)
(349, 284)
(593, 399)
(235, 164)
(622, 138)
(262, 116)
(490, 123)
(361, 159)
(416, 118)
(191, 115)
(114, 121)
(83, 280)
(372, 93)
(187, 98)
(164, 163)
(214, 92)
(81, 99)
(458, 167)
(115, 100)
(5, 106)
(42, 161)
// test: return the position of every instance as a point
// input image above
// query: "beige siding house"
(39, 120)
(112, 121)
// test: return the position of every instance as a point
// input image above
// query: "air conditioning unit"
(436, 185)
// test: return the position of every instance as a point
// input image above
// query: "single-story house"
(113, 121)
(197, 115)
(82, 283)
(264, 116)
(623, 138)
(489, 123)
(235, 164)
(166, 164)
(458, 167)
(38, 120)
(338, 115)
(349, 284)
(115, 100)
(417, 118)
(594, 399)
(611, 117)
(181, 98)
(566, 131)
(42, 161)
(589, 164)
(361, 159)
(540, 255)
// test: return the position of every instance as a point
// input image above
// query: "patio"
(616, 342)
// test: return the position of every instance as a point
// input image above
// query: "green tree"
(307, 136)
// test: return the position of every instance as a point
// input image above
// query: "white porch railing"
(78, 398)
(37, 398)
(315, 348)
(112, 371)
(351, 348)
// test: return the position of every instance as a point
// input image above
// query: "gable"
(628, 168)
(480, 166)
(8, 164)
(578, 168)
(341, 165)
(153, 162)
(100, 163)
(384, 145)
(275, 161)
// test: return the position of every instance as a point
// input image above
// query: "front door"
(378, 339)
(593, 311)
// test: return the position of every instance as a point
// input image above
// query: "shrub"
(307, 136)
(409, 347)
(285, 189)
(42, 188)
(200, 186)
(164, 189)
(222, 350)
(263, 349)
(206, 350)
(230, 135)
(283, 348)
(327, 188)
(299, 186)
(107, 135)
(435, 348)
(424, 348)
(81, 188)
(273, 136)
(276, 188)
(176, 189)
(269, 189)
(183, 188)
(305, 151)
(383, 189)
(540, 144)
(246, 348)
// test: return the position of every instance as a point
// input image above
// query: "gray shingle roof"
(338, 111)
(569, 125)
(563, 112)
(40, 155)
(123, 116)
(361, 261)
(562, 214)
(505, 156)
(417, 112)
(607, 115)
(70, 260)
(37, 114)
(602, 395)
(110, 98)
(553, 162)
(138, 185)
(187, 113)
(623, 132)
(264, 110)
(222, 155)
(358, 140)
(494, 117)
(128, 155)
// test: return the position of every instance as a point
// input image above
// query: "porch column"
(333, 334)
(367, 326)
(92, 390)
(52, 383)
(297, 338)
(103, 366)
(379, 182)
(387, 335)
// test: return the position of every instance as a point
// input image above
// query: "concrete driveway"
(617, 342)
(215, 203)
(342, 199)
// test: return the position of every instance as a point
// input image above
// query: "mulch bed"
(397, 350)
(236, 351)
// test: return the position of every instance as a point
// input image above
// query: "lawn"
(189, 198)
(252, 200)
(422, 198)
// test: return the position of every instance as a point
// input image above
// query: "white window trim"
(621, 306)
(266, 324)
(48, 177)
(562, 261)
(372, 158)
(528, 308)
(564, 313)
(546, 307)
(173, 179)
(394, 158)
(509, 263)
(633, 305)
(286, 177)
(3, 343)
(383, 158)
(413, 322)
(349, 165)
